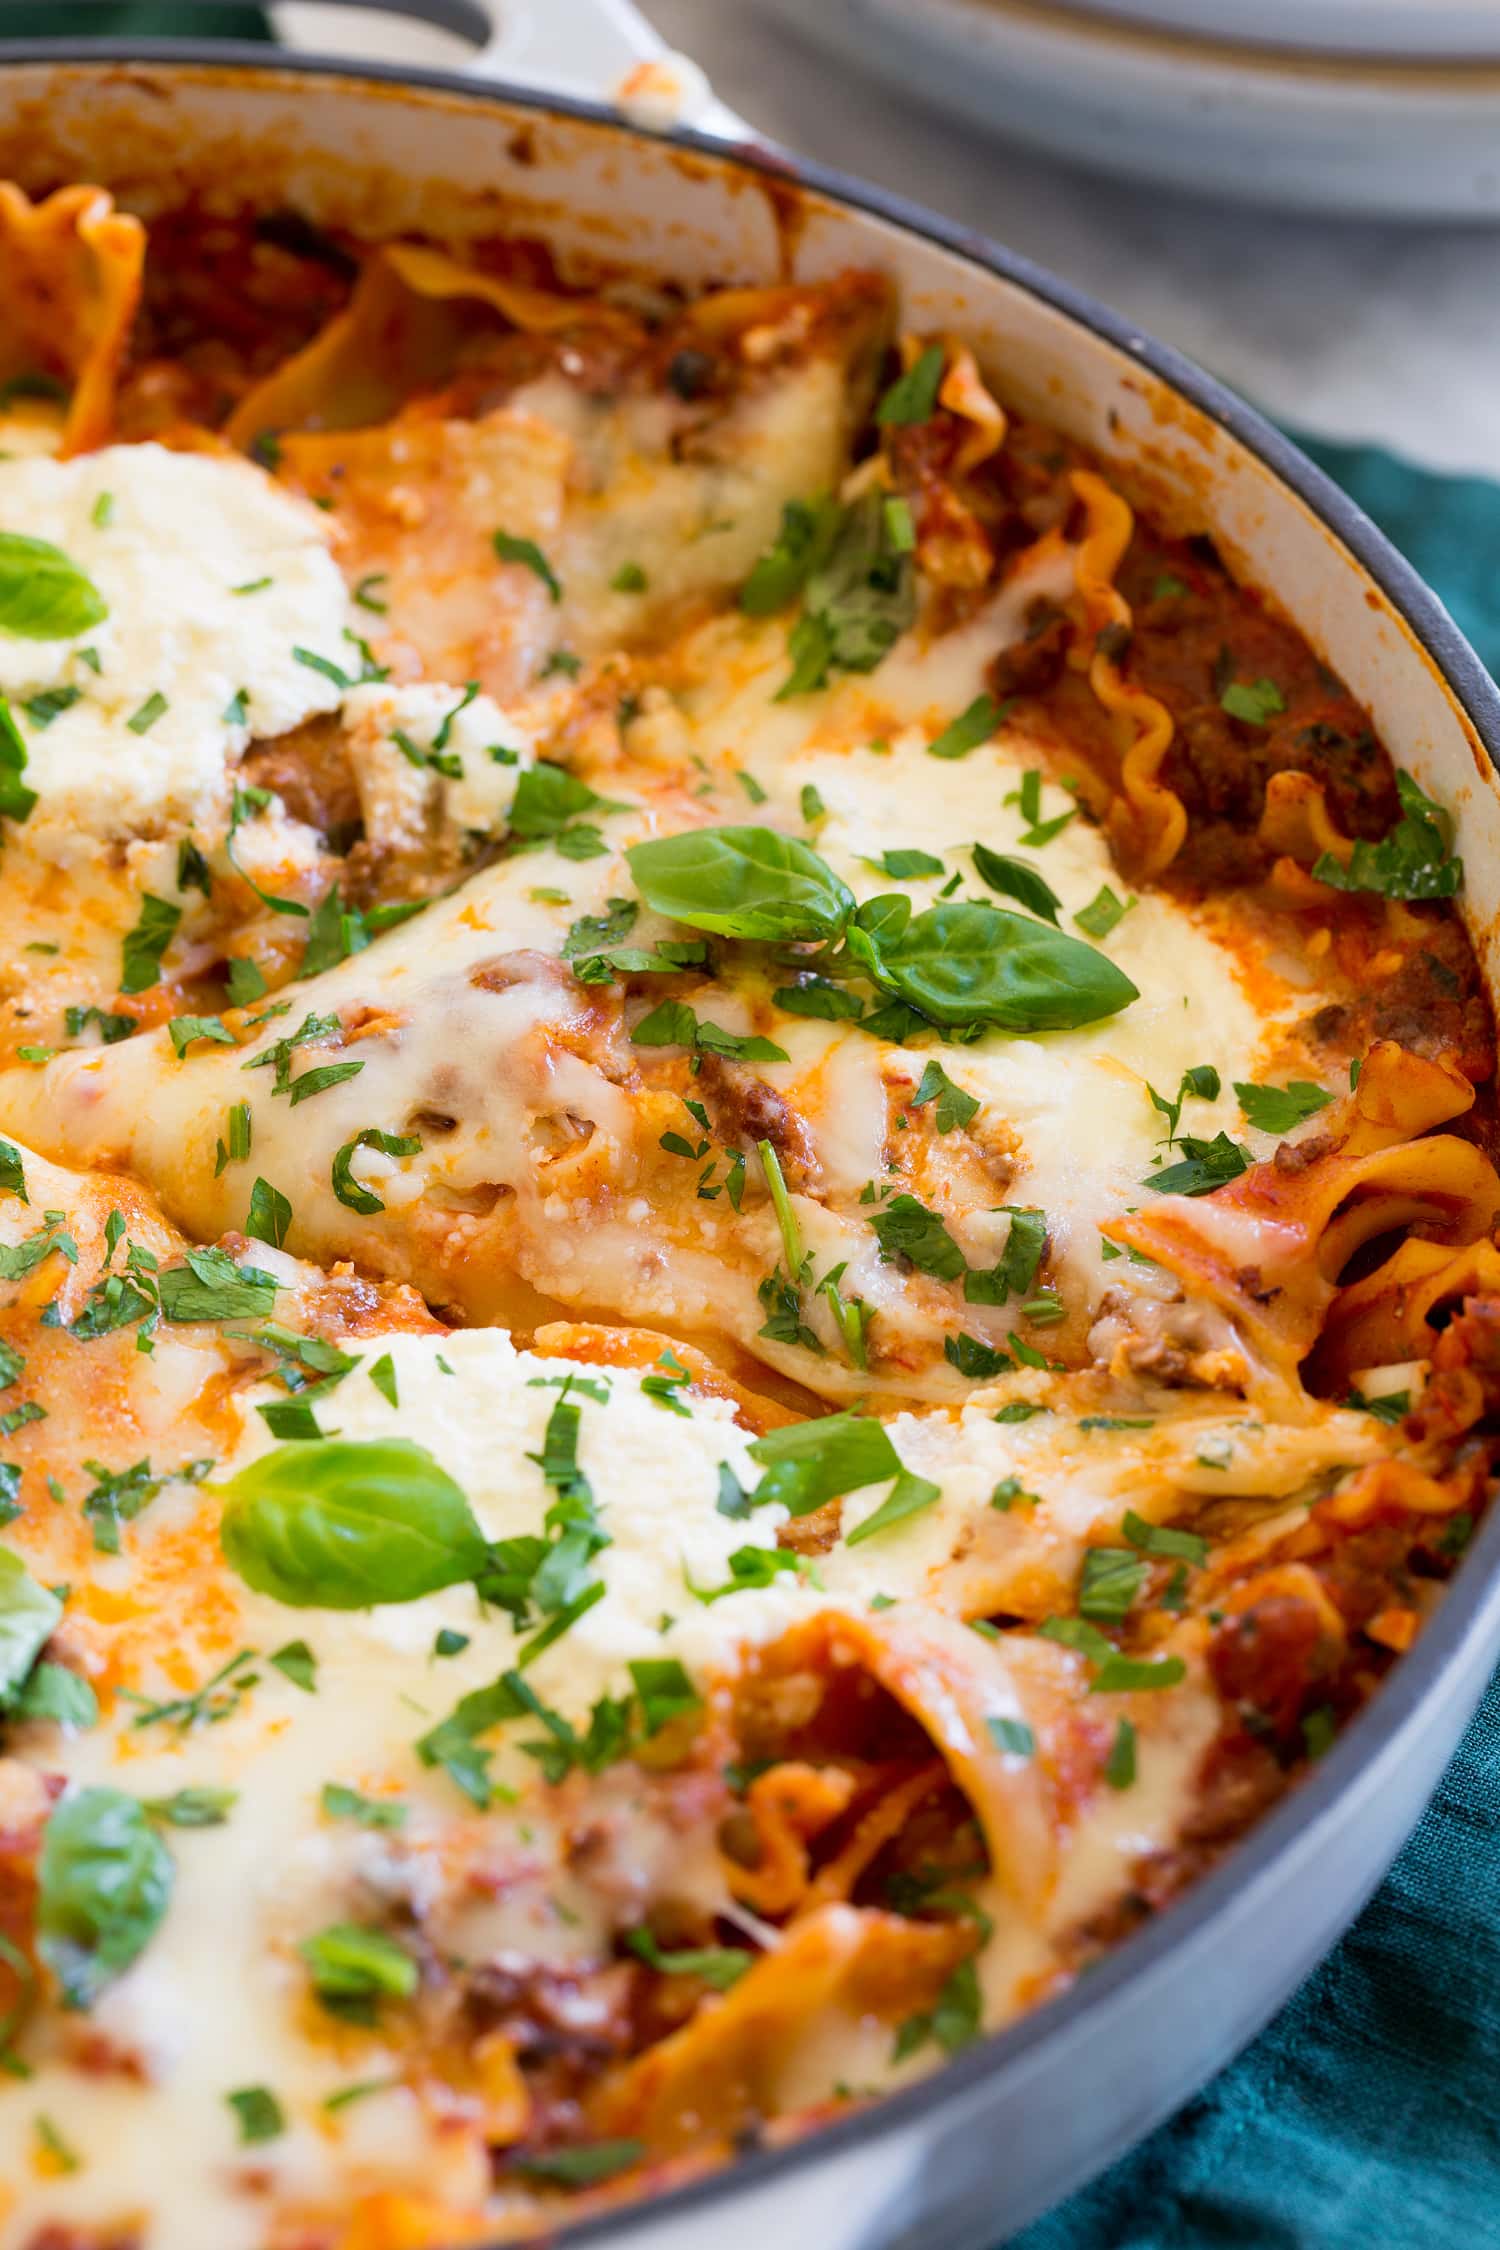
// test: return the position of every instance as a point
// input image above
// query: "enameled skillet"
(966, 2157)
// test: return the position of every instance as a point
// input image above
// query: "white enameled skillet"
(963, 2159)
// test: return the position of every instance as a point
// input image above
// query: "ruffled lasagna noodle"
(747, 1235)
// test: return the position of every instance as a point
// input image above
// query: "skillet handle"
(601, 50)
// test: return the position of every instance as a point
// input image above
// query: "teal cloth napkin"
(1368, 2116)
(1369, 2113)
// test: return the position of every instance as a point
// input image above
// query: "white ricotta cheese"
(214, 577)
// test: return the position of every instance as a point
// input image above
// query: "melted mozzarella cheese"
(287, 1868)
(661, 512)
(213, 577)
(163, 1615)
(1075, 1103)
(471, 1026)
(1085, 1131)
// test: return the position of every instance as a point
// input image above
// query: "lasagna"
(746, 1227)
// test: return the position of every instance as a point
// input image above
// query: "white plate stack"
(1387, 107)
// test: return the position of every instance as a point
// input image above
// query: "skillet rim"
(1470, 1611)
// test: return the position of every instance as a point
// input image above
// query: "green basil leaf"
(43, 595)
(962, 964)
(105, 1880)
(349, 1523)
(742, 883)
(28, 1618)
(807, 1463)
(1014, 878)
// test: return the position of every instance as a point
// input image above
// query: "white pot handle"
(601, 50)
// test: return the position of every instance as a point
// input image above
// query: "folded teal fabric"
(1369, 2113)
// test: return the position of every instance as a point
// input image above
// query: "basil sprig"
(962, 964)
(349, 1523)
(44, 596)
(105, 1880)
(742, 883)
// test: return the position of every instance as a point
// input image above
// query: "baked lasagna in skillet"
(745, 1227)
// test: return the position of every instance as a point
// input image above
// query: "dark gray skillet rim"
(1470, 1611)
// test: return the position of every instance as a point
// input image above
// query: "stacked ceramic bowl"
(1373, 106)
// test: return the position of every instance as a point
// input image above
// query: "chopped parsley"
(208, 1285)
(529, 555)
(913, 396)
(1103, 913)
(185, 1030)
(260, 2114)
(1279, 1109)
(145, 944)
(954, 1106)
(142, 721)
(1255, 703)
(1411, 861)
(968, 730)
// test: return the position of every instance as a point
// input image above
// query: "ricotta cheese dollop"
(214, 578)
